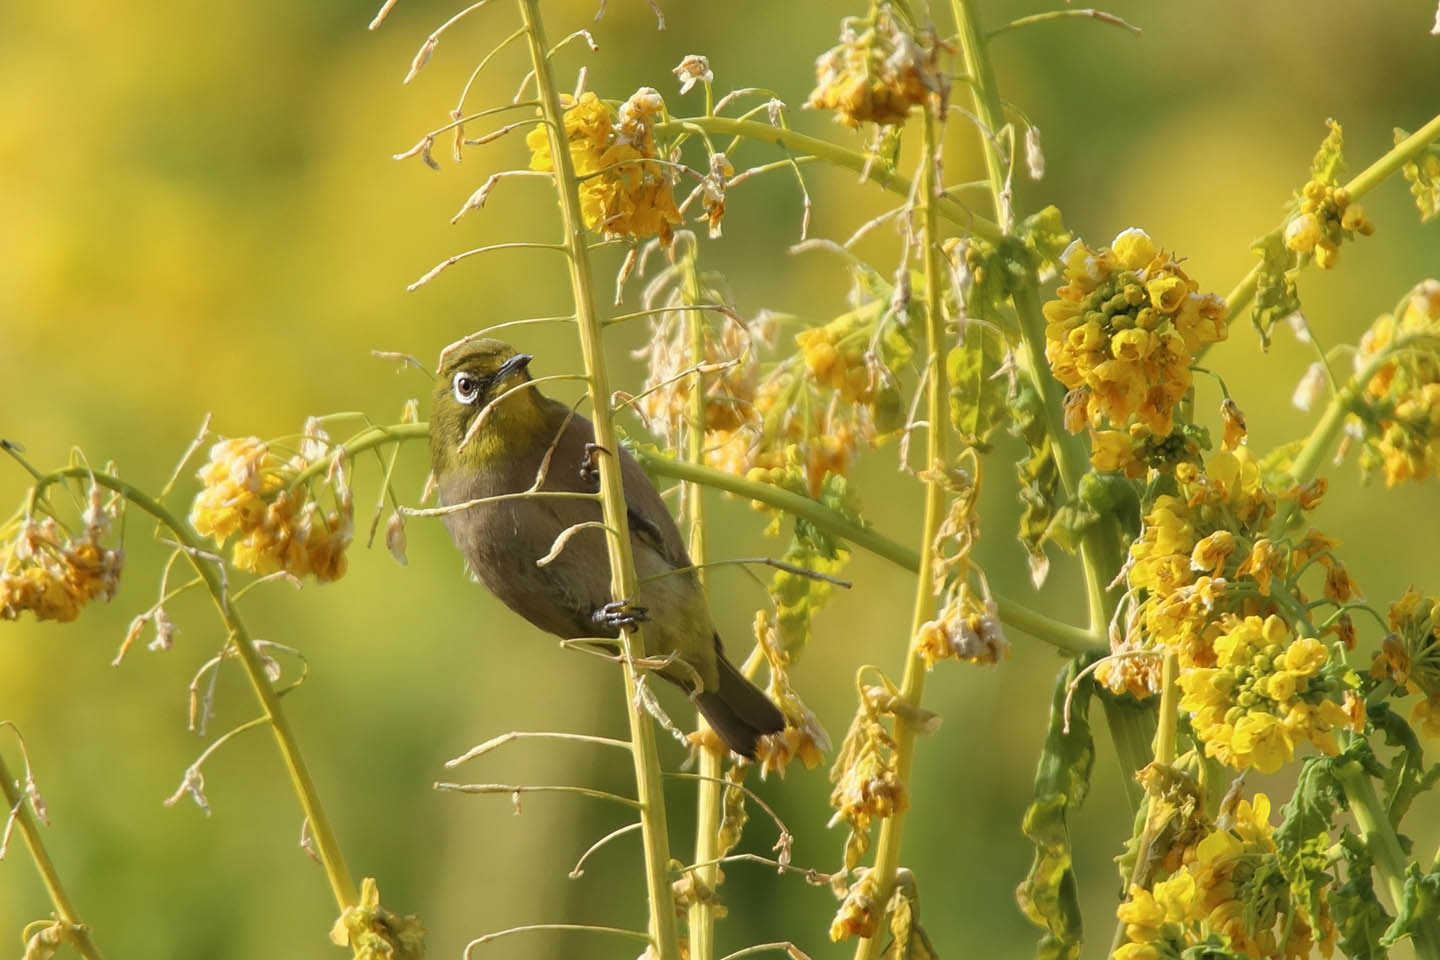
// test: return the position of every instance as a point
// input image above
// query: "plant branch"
(75, 930)
(622, 571)
(1385, 847)
(912, 684)
(1368, 179)
(799, 143)
(342, 885)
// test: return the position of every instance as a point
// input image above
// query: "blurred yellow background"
(201, 213)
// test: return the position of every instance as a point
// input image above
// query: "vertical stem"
(612, 496)
(1100, 549)
(710, 790)
(1383, 845)
(912, 685)
(64, 909)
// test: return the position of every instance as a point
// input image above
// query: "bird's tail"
(738, 711)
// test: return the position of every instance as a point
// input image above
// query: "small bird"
(570, 595)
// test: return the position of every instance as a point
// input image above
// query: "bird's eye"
(466, 386)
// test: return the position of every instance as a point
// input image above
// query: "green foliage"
(1048, 895)
(1277, 295)
(977, 394)
(1423, 176)
(1303, 837)
(1359, 918)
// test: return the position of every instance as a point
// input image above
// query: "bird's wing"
(651, 525)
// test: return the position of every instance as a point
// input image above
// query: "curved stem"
(1326, 431)
(1070, 639)
(912, 684)
(1393, 159)
(77, 932)
(622, 570)
(1384, 846)
(342, 885)
(832, 153)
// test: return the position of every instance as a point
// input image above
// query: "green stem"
(1069, 639)
(832, 153)
(1368, 179)
(912, 684)
(1326, 431)
(710, 790)
(1384, 846)
(1101, 554)
(622, 570)
(342, 885)
(78, 932)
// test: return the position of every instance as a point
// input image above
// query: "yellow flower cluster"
(1203, 559)
(1410, 656)
(624, 192)
(251, 494)
(1266, 693)
(867, 786)
(1402, 437)
(52, 574)
(1201, 901)
(875, 74)
(1124, 332)
(1326, 217)
(835, 357)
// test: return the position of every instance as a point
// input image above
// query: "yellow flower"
(624, 191)
(876, 74)
(252, 495)
(54, 573)
(1125, 328)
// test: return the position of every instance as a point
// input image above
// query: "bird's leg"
(621, 615)
(590, 466)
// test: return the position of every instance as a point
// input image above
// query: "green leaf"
(1049, 896)
(1406, 777)
(1421, 901)
(1423, 176)
(1329, 162)
(1039, 475)
(1303, 837)
(1276, 293)
(977, 395)
(1359, 918)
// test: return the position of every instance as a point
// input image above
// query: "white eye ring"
(466, 387)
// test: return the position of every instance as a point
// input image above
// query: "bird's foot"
(621, 615)
(590, 466)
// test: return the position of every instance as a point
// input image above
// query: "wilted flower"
(253, 495)
(53, 573)
(693, 69)
(875, 74)
(624, 192)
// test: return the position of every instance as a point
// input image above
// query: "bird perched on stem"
(493, 433)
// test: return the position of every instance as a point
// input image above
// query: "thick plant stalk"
(1384, 846)
(77, 933)
(612, 497)
(912, 684)
(1100, 550)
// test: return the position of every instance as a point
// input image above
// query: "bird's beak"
(516, 363)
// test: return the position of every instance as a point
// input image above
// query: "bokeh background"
(200, 213)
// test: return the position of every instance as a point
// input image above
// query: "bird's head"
(471, 378)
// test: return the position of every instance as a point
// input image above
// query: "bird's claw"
(621, 614)
(590, 466)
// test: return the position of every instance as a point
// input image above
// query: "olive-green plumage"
(502, 540)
